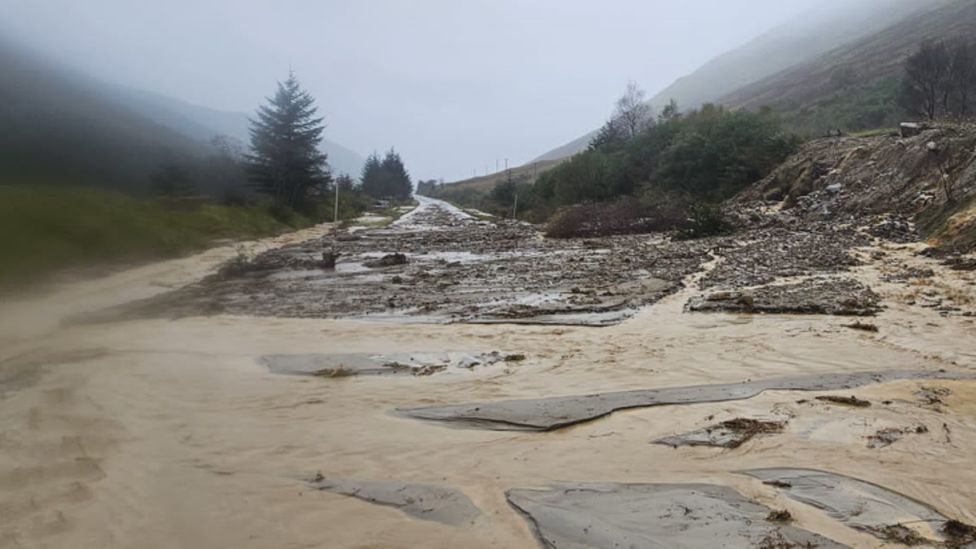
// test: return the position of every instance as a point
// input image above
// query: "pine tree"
(372, 177)
(398, 183)
(610, 135)
(387, 178)
(285, 160)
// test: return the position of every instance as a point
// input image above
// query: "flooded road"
(172, 431)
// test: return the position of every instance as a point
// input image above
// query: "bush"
(704, 220)
(706, 155)
(622, 216)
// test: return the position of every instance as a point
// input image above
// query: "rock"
(733, 301)
(959, 534)
(389, 260)
(444, 504)
(910, 129)
(329, 260)
(961, 263)
(933, 397)
(834, 188)
(832, 296)
(862, 326)
(547, 414)
(678, 516)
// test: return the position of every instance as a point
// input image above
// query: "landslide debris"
(728, 434)
(851, 401)
(826, 296)
(439, 264)
(376, 364)
(904, 188)
(890, 435)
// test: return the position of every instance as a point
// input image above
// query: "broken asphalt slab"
(547, 414)
(444, 504)
(867, 507)
(578, 516)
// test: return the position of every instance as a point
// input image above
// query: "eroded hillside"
(922, 186)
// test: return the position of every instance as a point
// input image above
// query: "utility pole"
(496, 165)
(515, 206)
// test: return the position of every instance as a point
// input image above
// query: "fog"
(454, 85)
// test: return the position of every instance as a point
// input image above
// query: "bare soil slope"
(888, 182)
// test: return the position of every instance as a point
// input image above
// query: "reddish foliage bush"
(622, 216)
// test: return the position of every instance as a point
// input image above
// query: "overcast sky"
(452, 84)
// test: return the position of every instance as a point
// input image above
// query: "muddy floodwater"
(171, 406)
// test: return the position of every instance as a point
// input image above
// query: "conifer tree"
(386, 178)
(397, 178)
(285, 160)
(372, 177)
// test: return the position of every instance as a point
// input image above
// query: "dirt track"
(172, 431)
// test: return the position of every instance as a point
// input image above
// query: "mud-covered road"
(440, 264)
(497, 389)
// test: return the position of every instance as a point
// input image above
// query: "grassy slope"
(471, 193)
(44, 229)
(486, 183)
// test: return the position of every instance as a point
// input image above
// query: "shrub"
(705, 219)
(622, 216)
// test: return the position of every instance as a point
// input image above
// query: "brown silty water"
(172, 432)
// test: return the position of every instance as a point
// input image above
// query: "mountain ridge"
(788, 45)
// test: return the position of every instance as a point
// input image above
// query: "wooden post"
(335, 215)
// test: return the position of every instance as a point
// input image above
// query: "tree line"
(939, 80)
(285, 163)
(653, 172)
(386, 178)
